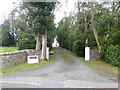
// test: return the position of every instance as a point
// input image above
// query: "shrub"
(112, 55)
(26, 41)
(79, 47)
(27, 44)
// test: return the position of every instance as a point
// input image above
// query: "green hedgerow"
(112, 55)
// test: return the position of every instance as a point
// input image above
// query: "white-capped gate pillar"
(47, 53)
(87, 53)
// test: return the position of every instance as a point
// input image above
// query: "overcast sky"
(64, 10)
(7, 5)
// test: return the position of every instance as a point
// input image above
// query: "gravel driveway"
(60, 75)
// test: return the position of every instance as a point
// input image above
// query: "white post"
(87, 53)
(47, 53)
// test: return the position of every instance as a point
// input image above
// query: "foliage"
(74, 30)
(112, 55)
(41, 15)
(26, 41)
(27, 44)
(42, 25)
(79, 48)
(71, 38)
(50, 39)
(6, 39)
(109, 33)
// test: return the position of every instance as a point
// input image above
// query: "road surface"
(60, 74)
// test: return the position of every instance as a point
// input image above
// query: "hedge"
(112, 55)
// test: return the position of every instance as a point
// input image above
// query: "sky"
(7, 5)
(64, 10)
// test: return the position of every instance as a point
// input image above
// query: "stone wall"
(94, 54)
(14, 58)
(31, 52)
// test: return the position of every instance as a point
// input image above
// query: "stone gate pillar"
(87, 53)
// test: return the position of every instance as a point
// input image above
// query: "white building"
(55, 43)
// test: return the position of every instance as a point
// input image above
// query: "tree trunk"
(86, 41)
(94, 27)
(44, 46)
(78, 18)
(38, 42)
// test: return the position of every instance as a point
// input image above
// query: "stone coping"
(20, 51)
(10, 53)
(16, 52)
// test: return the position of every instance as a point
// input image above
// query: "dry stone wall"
(94, 54)
(14, 58)
(32, 52)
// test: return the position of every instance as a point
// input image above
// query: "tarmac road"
(60, 75)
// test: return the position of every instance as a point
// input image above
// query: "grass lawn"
(100, 66)
(8, 49)
(22, 67)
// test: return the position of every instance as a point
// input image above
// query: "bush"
(79, 48)
(27, 44)
(7, 40)
(26, 41)
(112, 55)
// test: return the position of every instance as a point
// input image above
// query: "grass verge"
(8, 49)
(99, 65)
(22, 67)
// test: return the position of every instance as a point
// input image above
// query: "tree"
(7, 39)
(93, 26)
(41, 15)
(97, 23)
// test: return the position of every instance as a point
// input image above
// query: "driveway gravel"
(60, 75)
